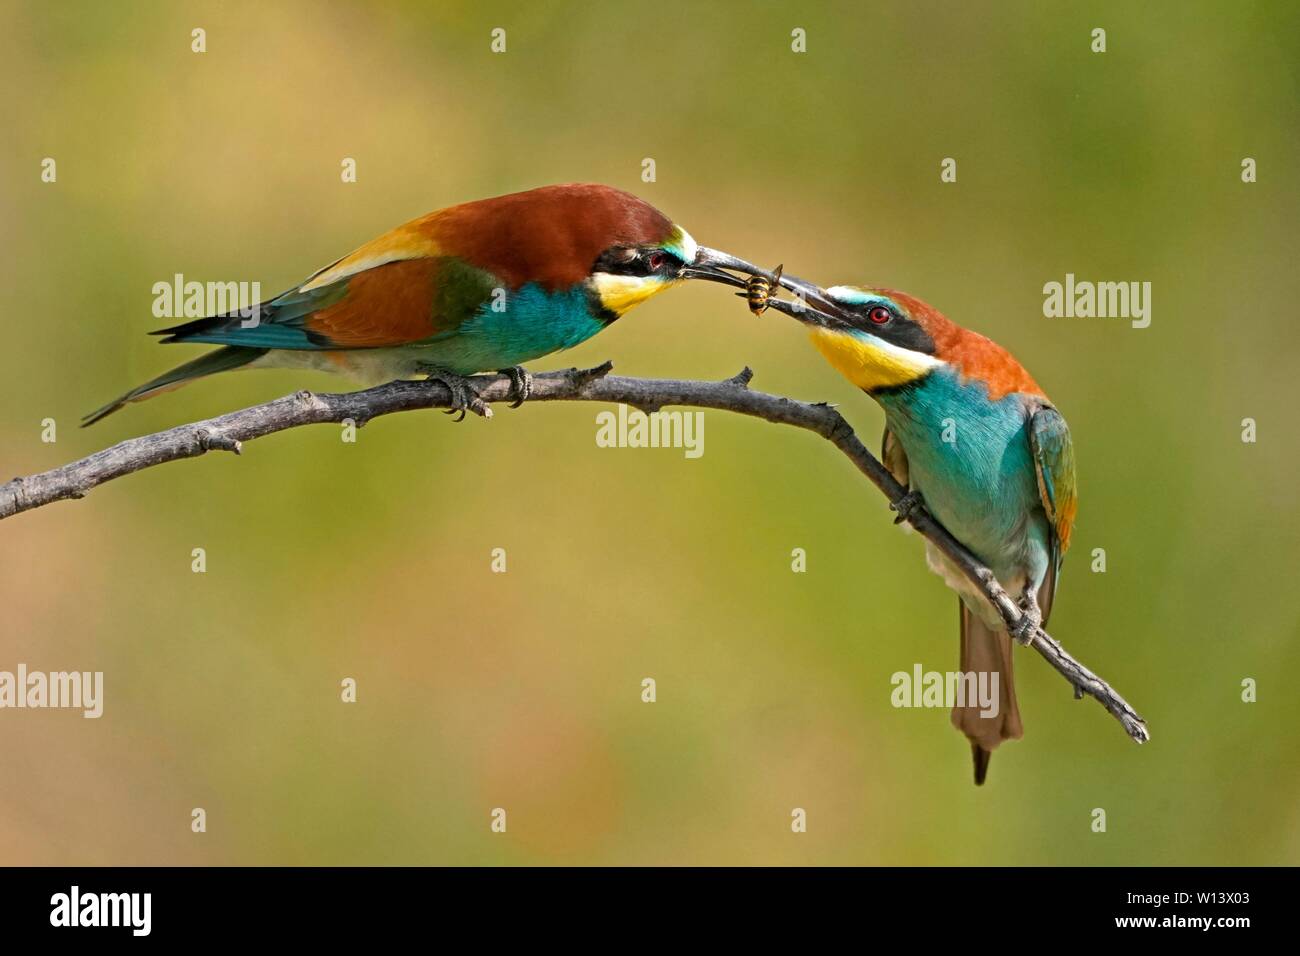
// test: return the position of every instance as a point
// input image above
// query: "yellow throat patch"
(870, 363)
(620, 293)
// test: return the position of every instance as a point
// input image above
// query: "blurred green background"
(522, 690)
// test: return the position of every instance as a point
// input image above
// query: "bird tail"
(985, 650)
(220, 360)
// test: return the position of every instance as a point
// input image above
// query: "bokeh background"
(522, 690)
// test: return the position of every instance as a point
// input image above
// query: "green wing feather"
(280, 322)
(218, 360)
(1049, 439)
(445, 297)
(894, 458)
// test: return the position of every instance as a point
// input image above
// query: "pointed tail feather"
(220, 360)
(981, 757)
(985, 650)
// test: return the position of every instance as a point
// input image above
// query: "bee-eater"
(471, 288)
(969, 432)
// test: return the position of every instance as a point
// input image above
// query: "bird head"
(876, 338)
(579, 235)
(649, 253)
(882, 339)
(632, 269)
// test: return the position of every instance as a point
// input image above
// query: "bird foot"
(464, 396)
(906, 505)
(1031, 619)
(521, 384)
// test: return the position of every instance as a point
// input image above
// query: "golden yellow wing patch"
(413, 240)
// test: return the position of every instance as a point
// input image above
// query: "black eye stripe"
(899, 330)
(622, 260)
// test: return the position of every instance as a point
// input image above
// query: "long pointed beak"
(811, 306)
(814, 296)
(710, 264)
(706, 258)
(807, 314)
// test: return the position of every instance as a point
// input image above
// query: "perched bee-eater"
(482, 286)
(969, 432)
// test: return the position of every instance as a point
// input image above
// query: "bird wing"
(894, 458)
(401, 303)
(399, 289)
(416, 239)
(1053, 451)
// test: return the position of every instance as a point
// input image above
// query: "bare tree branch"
(229, 432)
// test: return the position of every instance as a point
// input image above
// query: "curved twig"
(229, 432)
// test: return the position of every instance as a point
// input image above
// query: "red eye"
(880, 315)
(655, 261)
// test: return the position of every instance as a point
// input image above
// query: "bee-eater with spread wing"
(969, 432)
(482, 286)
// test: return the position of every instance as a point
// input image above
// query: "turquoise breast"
(533, 323)
(970, 459)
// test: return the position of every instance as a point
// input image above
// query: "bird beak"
(812, 306)
(819, 307)
(711, 264)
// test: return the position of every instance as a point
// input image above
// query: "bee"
(759, 290)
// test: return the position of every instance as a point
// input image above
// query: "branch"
(229, 432)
